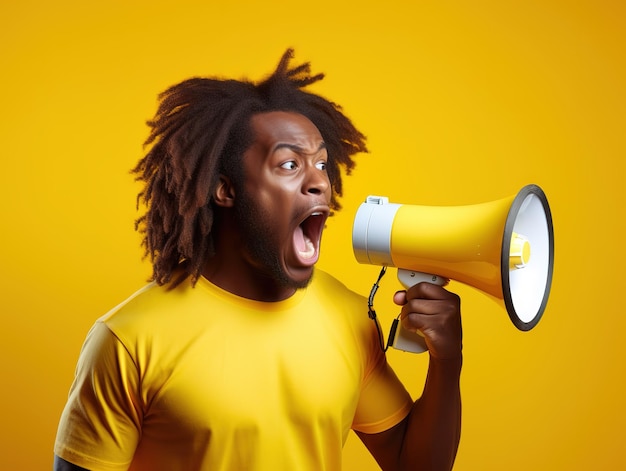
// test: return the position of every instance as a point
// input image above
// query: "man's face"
(284, 204)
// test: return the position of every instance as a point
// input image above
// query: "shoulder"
(156, 313)
(331, 292)
(153, 301)
(327, 283)
(339, 301)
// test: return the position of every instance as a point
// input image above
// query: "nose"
(317, 181)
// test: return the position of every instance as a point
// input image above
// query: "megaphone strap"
(372, 313)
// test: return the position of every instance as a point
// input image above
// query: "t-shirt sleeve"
(100, 425)
(384, 401)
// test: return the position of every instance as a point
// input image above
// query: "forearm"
(433, 428)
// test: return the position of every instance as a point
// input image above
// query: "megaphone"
(504, 248)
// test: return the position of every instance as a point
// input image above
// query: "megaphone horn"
(504, 248)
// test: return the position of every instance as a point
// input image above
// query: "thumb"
(400, 298)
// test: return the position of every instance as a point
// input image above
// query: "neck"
(229, 269)
(244, 281)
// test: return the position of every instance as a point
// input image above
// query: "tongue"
(304, 246)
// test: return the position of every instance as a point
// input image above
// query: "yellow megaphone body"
(504, 248)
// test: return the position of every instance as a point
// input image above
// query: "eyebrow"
(298, 149)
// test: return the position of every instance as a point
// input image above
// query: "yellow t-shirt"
(200, 379)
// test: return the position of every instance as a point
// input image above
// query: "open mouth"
(307, 237)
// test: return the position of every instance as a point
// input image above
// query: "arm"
(101, 421)
(428, 438)
(61, 465)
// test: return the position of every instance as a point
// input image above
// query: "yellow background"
(463, 102)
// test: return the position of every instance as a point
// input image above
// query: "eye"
(291, 165)
(321, 165)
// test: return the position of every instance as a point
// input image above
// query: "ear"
(224, 194)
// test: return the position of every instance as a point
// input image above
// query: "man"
(238, 356)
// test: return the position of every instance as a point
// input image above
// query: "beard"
(261, 242)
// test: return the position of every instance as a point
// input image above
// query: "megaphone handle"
(399, 337)
(410, 278)
(405, 340)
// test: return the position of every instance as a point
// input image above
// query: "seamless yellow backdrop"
(463, 102)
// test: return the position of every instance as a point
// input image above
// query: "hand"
(436, 313)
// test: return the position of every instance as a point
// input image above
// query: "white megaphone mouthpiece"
(504, 248)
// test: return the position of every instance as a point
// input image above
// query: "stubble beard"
(259, 242)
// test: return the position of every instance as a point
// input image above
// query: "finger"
(426, 290)
(400, 298)
(424, 313)
(436, 313)
(428, 315)
(429, 306)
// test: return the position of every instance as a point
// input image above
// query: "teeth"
(316, 214)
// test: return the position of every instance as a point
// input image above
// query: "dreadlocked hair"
(201, 130)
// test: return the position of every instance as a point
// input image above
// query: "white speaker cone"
(526, 289)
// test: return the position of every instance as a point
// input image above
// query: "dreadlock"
(201, 129)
